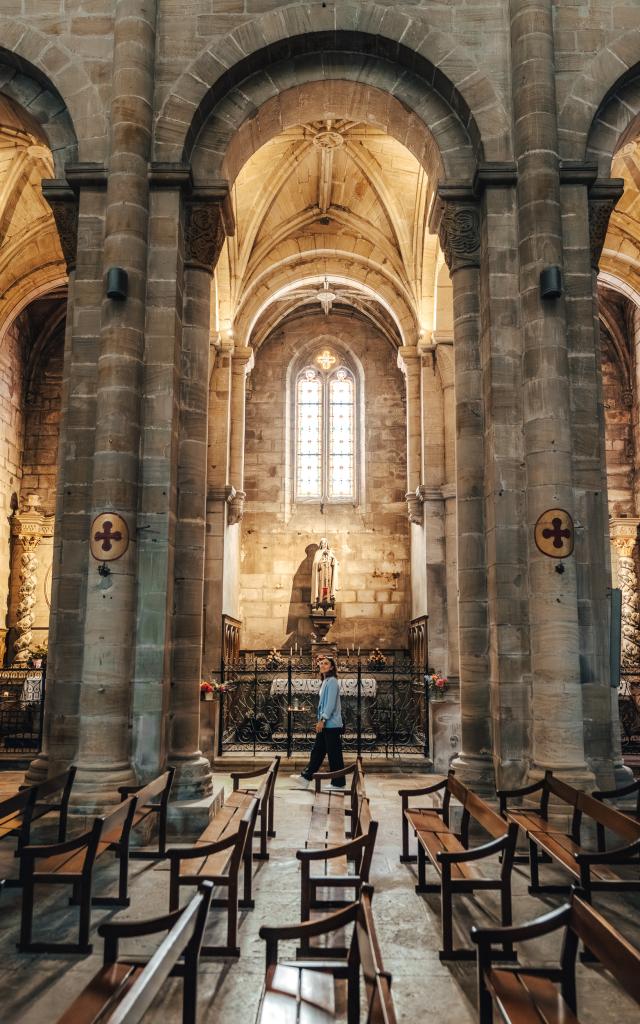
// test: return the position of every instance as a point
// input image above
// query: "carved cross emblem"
(553, 533)
(109, 537)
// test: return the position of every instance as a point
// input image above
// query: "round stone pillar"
(409, 361)
(104, 749)
(557, 740)
(241, 365)
(460, 240)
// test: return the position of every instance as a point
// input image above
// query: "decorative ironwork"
(389, 718)
(21, 710)
(629, 710)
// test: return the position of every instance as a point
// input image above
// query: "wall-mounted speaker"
(551, 283)
(117, 283)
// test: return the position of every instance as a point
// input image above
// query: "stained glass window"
(325, 434)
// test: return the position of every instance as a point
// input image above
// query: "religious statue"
(324, 576)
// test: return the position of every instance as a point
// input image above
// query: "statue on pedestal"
(324, 577)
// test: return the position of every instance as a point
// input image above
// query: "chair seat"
(104, 991)
(532, 821)
(527, 999)
(297, 995)
(562, 848)
(434, 843)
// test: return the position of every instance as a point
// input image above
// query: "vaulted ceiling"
(621, 254)
(331, 215)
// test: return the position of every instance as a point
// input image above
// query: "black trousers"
(328, 743)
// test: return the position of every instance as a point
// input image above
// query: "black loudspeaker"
(117, 283)
(551, 283)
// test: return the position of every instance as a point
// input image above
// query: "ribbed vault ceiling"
(329, 215)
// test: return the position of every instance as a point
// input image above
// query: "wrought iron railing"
(269, 704)
(22, 694)
(629, 708)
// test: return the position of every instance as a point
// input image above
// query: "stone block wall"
(618, 438)
(42, 429)
(11, 428)
(279, 539)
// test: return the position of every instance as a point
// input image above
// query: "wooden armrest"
(477, 853)
(308, 929)
(253, 774)
(618, 856)
(423, 792)
(611, 794)
(126, 791)
(336, 851)
(33, 852)
(191, 852)
(543, 925)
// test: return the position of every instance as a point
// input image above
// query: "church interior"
(319, 339)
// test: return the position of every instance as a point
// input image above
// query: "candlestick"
(291, 652)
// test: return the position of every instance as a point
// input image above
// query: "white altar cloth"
(348, 686)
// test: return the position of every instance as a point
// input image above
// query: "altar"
(309, 687)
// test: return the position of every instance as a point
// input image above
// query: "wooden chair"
(30, 803)
(265, 794)
(456, 864)
(549, 840)
(528, 995)
(72, 863)
(151, 800)
(124, 988)
(216, 857)
(632, 789)
(303, 991)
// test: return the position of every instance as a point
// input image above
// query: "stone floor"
(34, 989)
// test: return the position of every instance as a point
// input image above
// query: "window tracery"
(325, 432)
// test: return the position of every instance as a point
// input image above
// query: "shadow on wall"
(299, 625)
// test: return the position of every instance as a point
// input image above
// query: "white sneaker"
(296, 775)
(340, 789)
(302, 783)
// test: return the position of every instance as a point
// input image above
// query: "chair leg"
(247, 901)
(533, 864)
(232, 918)
(190, 993)
(26, 921)
(447, 920)
(507, 918)
(123, 878)
(174, 884)
(85, 914)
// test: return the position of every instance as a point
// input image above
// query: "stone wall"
(11, 422)
(370, 541)
(618, 437)
(42, 428)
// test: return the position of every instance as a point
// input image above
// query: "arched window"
(325, 436)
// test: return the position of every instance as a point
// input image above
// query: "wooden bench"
(528, 995)
(332, 807)
(152, 800)
(30, 803)
(549, 841)
(72, 863)
(632, 789)
(304, 991)
(124, 988)
(454, 861)
(265, 793)
(225, 844)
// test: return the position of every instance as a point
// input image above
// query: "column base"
(477, 772)
(192, 780)
(38, 770)
(187, 819)
(96, 786)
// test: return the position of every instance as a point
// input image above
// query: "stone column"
(624, 536)
(445, 363)
(433, 448)
(76, 209)
(241, 365)
(409, 361)
(104, 749)
(459, 231)
(557, 712)
(219, 494)
(204, 236)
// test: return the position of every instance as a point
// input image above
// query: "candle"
(358, 652)
(291, 652)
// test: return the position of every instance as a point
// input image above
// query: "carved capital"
(29, 525)
(459, 234)
(236, 508)
(204, 232)
(603, 196)
(64, 207)
(415, 501)
(445, 362)
(624, 535)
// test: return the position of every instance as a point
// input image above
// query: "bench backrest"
(184, 937)
(117, 824)
(63, 782)
(611, 948)
(562, 790)
(378, 1001)
(609, 818)
(474, 807)
(158, 787)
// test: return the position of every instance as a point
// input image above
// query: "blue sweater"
(329, 703)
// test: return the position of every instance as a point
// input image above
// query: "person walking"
(328, 741)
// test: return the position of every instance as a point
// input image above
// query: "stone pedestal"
(444, 732)
(187, 819)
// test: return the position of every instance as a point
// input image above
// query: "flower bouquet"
(437, 685)
(206, 690)
(376, 660)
